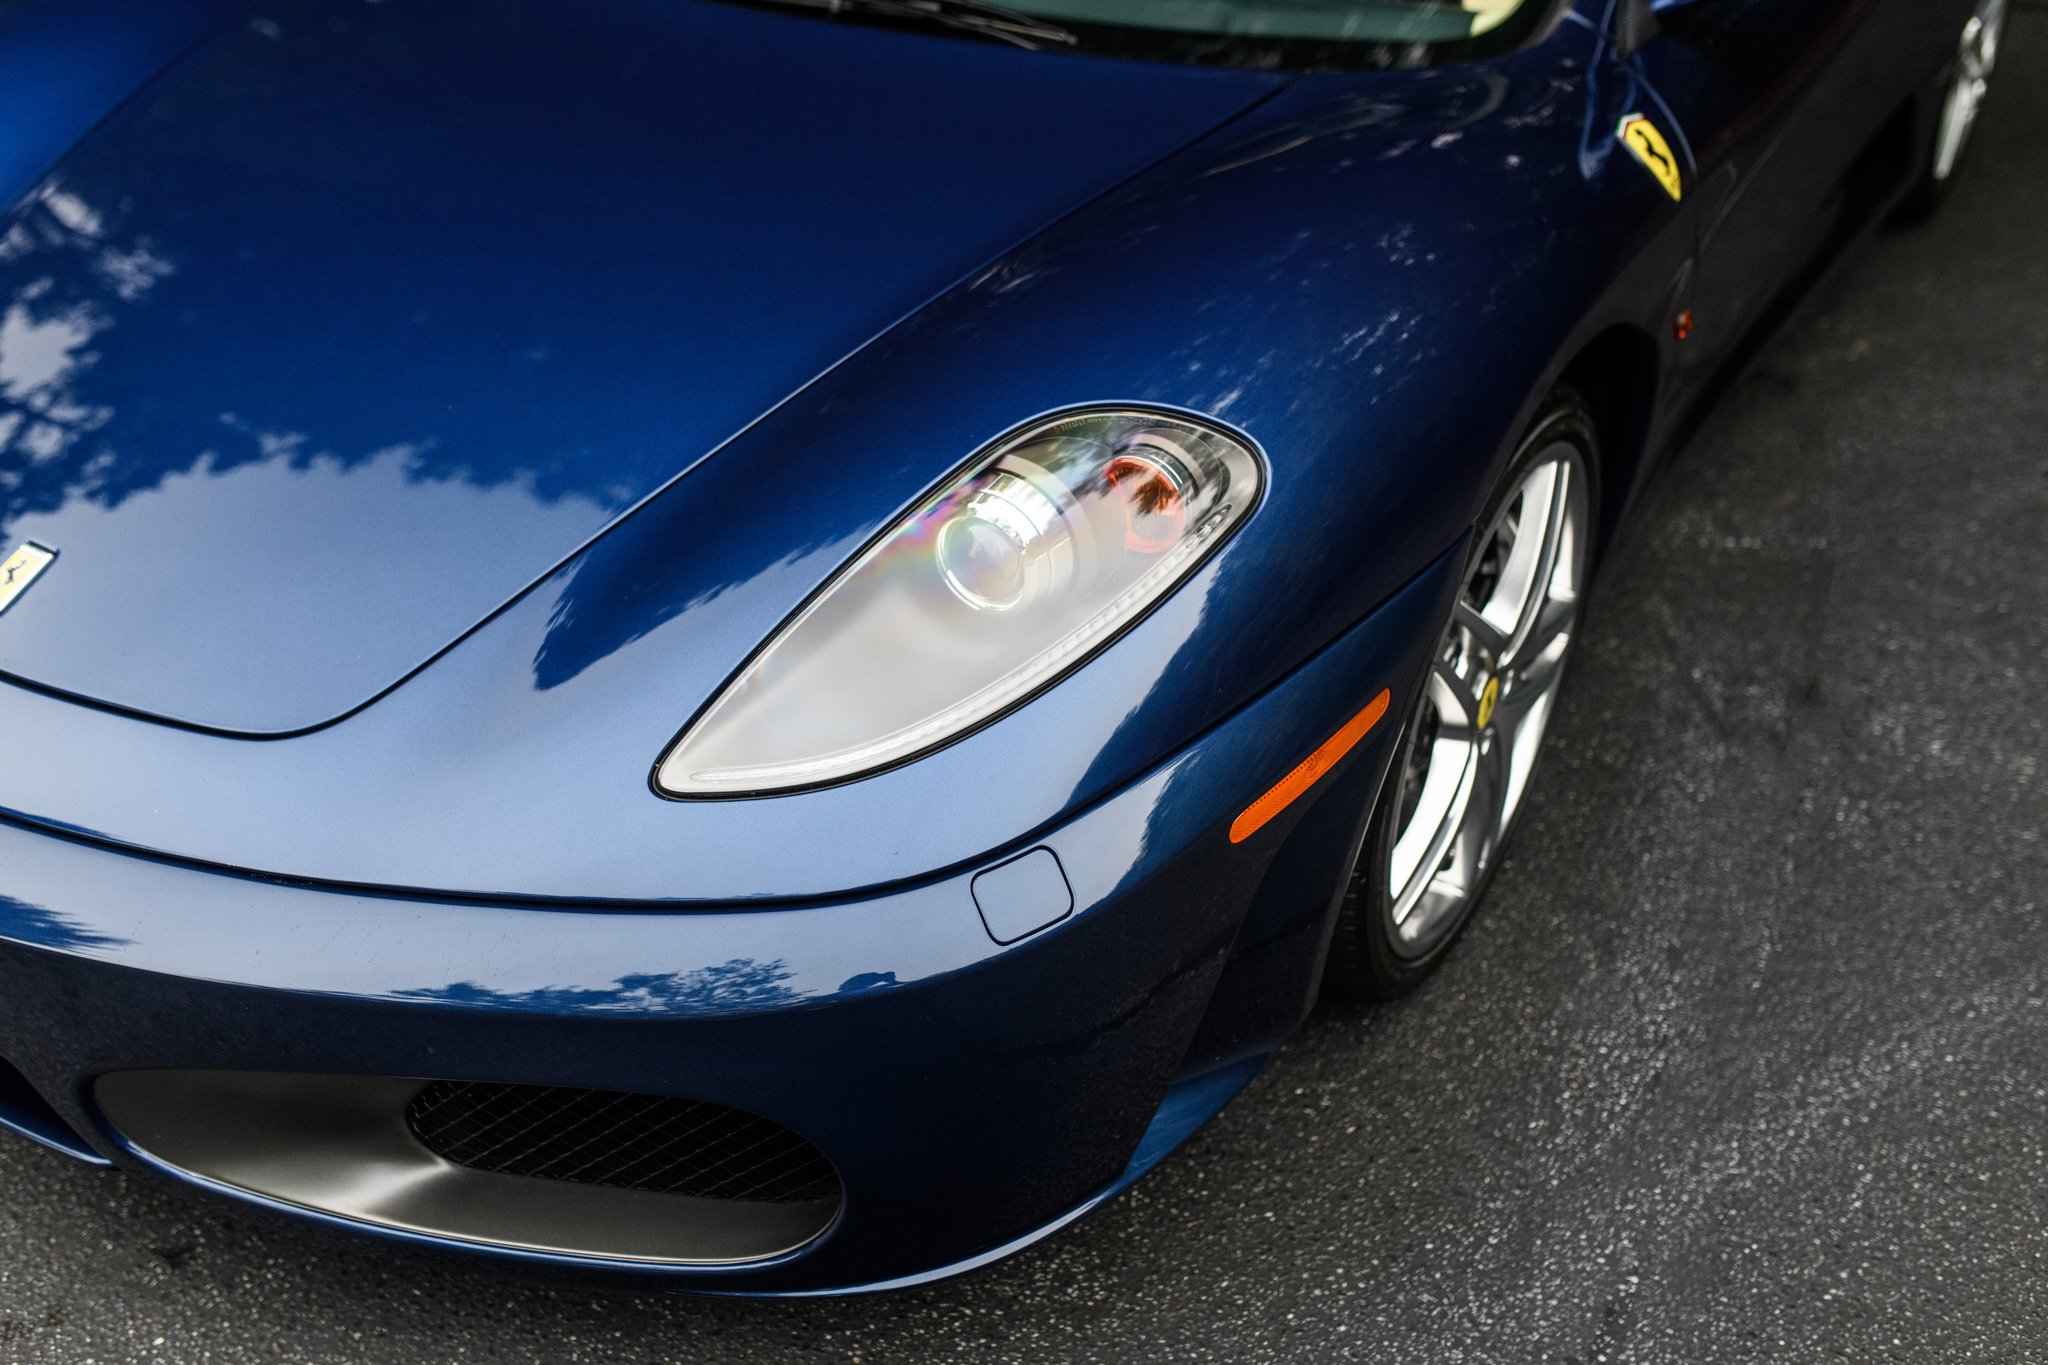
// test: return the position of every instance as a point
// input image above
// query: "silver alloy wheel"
(1478, 728)
(1975, 61)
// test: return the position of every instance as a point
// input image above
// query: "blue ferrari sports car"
(763, 646)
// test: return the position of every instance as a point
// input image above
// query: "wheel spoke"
(1556, 521)
(1462, 718)
(1554, 622)
(1509, 596)
(1479, 832)
(1488, 810)
(1520, 701)
(1439, 815)
(1489, 638)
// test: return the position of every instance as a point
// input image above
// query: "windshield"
(1299, 34)
(1355, 21)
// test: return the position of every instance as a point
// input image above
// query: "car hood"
(356, 319)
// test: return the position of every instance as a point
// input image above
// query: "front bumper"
(972, 1095)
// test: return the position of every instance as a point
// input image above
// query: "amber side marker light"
(1289, 788)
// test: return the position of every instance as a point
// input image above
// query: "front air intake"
(600, 1173)
(656, 1143)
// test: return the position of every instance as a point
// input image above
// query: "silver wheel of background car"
(1975, 61)
(1478, 727)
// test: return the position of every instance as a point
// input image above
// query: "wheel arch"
(1617, 372)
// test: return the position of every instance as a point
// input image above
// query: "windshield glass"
(1299, 34)
(1366, 21)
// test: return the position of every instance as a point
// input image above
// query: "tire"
(1961, 98)
(1468, 746)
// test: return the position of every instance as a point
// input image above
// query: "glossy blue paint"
(465, 416)
(352, 326)
(72, 63)
(1019, 897)
(1183, 288)
(889, 1029)
(1780, 95)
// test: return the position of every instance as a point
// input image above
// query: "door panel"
(1776, 97)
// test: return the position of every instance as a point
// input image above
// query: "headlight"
(1046, 547)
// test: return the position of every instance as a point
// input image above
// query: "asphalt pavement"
(1746, 1059)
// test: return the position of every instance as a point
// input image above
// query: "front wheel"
(1473, 735)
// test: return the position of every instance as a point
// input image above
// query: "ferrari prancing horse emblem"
(1648, 146)
(20, 569)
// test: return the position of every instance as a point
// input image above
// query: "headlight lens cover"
(1051, 543)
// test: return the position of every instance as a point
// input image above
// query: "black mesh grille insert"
(611, 1137)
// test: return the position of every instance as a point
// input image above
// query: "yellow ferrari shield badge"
(1648, 146)
(20, 569)
(1489, 699)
